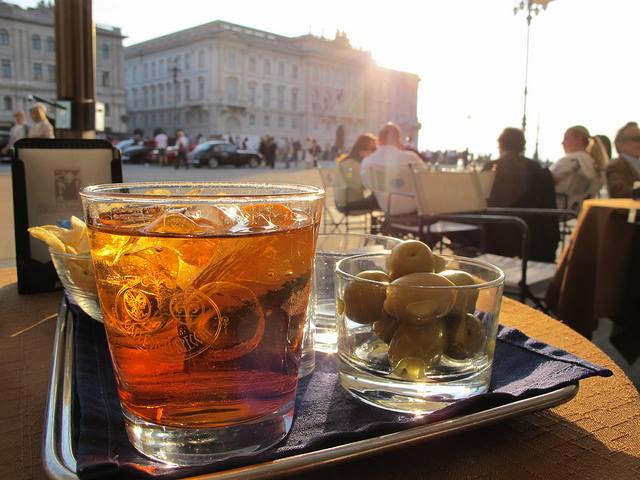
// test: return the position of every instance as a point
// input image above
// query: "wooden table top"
(594, 436)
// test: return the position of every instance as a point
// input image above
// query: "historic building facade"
(28, 64)
(226, 79)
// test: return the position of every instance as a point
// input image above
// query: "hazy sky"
(470, 56)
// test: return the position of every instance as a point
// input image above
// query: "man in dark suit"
(522, 183)
(624, 170)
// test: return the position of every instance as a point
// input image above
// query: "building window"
(281, 69)
(294, 100)
(106, 79)
(266, 95)
(267, 121)
(104, 52)
(36, 44)
(231, 88)
(252, 119)
(153, 70)
(153, 96)
(187, 89)
(187, 61)
(252, 64)
(200, 59)
(51, 73)
(168, 93)
(4, 37)
(5, 65)
(146, 71)
(267, 67)
(7, 103)
(294, 122)
(107, 110)
(281, 98)
(161, 95)
(37, 71)
(177, 92)
(231, 60)
(294, 71)
(161, 67)
(251, 92)
(201, 87)
(135, 73)
(281, 121)
(51, 45)
(134, 97)
(145, 97)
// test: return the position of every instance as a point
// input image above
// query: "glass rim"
(480, 263)
(272, 191)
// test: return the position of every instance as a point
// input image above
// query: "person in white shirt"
(579, 174)
(41, 127)
(182, 142)
(18, 131)
(162, 140)
(395, 161)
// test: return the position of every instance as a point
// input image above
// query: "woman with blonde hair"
(349, 193)
(41, 127)
(580, 173)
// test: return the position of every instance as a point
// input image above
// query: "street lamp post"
(532, 7)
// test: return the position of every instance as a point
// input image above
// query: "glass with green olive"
(416, 330)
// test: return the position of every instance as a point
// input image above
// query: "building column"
(76, 64)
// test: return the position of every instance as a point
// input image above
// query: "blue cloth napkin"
(326, 416)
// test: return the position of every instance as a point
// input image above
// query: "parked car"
(136, 154)
(216, 152)
(122, 144)
(4, 139)
(171, 154)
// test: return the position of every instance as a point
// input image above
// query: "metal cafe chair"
(460, 197)
(402, 183)
(334, 219)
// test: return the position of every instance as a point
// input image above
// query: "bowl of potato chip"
(69, 249)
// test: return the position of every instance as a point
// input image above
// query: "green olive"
(385, 328)
(409, 257)
(409, 302)
(439, 263)
(410, 368)
(466, 298)
(426, 343)
(363, 300)
(466, 336)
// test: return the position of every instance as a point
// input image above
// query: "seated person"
(521, 183)
(624, 170)
(394, 160)
(349, 194)
(579, 174)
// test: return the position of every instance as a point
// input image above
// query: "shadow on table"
(539, 445)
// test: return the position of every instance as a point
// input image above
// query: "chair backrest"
(382, 181)
(448, 192)
(486, 182)
(331, 177)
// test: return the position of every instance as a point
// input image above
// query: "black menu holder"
(47, 175)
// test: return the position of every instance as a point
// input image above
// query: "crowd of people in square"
(519, 182)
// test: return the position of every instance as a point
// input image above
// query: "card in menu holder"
(47, 175)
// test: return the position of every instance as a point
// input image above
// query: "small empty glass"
(322, 305)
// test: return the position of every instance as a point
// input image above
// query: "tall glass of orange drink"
(204, 289)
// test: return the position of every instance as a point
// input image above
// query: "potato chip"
(48, 237)
(68, 240)
(74, 240)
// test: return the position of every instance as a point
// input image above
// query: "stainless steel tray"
(58, 449)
